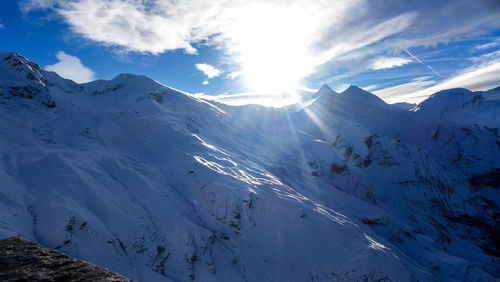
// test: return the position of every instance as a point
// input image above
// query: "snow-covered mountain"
(159, 185)
(405, 105)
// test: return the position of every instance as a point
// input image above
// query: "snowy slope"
(405, 105)
(159, 185)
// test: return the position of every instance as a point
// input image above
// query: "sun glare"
(272, 47)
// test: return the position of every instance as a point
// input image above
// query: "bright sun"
(272, 46)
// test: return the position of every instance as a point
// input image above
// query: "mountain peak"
(18, 61)
(354, 89)
(448, 98)
(24, 79)
(130, 76)
(325, 89)
(323, 93)
(123, 83)
(134, 79)
(453, 91)
(15, 63)
(320, 97)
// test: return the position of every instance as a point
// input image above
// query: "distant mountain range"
(160, 185)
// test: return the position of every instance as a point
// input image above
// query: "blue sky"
(400, 50)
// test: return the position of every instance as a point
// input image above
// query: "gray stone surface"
(23, 260)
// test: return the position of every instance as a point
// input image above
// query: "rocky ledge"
(23, 260)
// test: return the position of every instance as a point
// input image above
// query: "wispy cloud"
(403, 92)
(263, 99)
(205, 82)
(483, 75)
(387, 63)
(371, 87)
(485, 59)
(341, 88)
(71, 67)
(234, 74)
(209, 70)
(258, 98)
(27, 5)
(486, 46)
(292, 39)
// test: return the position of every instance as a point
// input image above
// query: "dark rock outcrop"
(23, 260)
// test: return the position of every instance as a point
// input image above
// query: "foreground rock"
(23, 260)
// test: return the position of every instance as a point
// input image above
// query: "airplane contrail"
(418, 60)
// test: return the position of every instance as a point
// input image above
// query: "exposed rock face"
(23, 260)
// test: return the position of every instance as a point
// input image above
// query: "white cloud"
(259, 98)
(143, 25)
(71, 67)
(483, 75)
(387, 63)
(402, 92)
(486, 46)
(205, 82)
(341, 88)
(275, 43)
(27, 5)
(286, 43)
(371, 87)
(209, 70)
(234, 74)
(263, 99)
(485, 59)
(483, 78)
